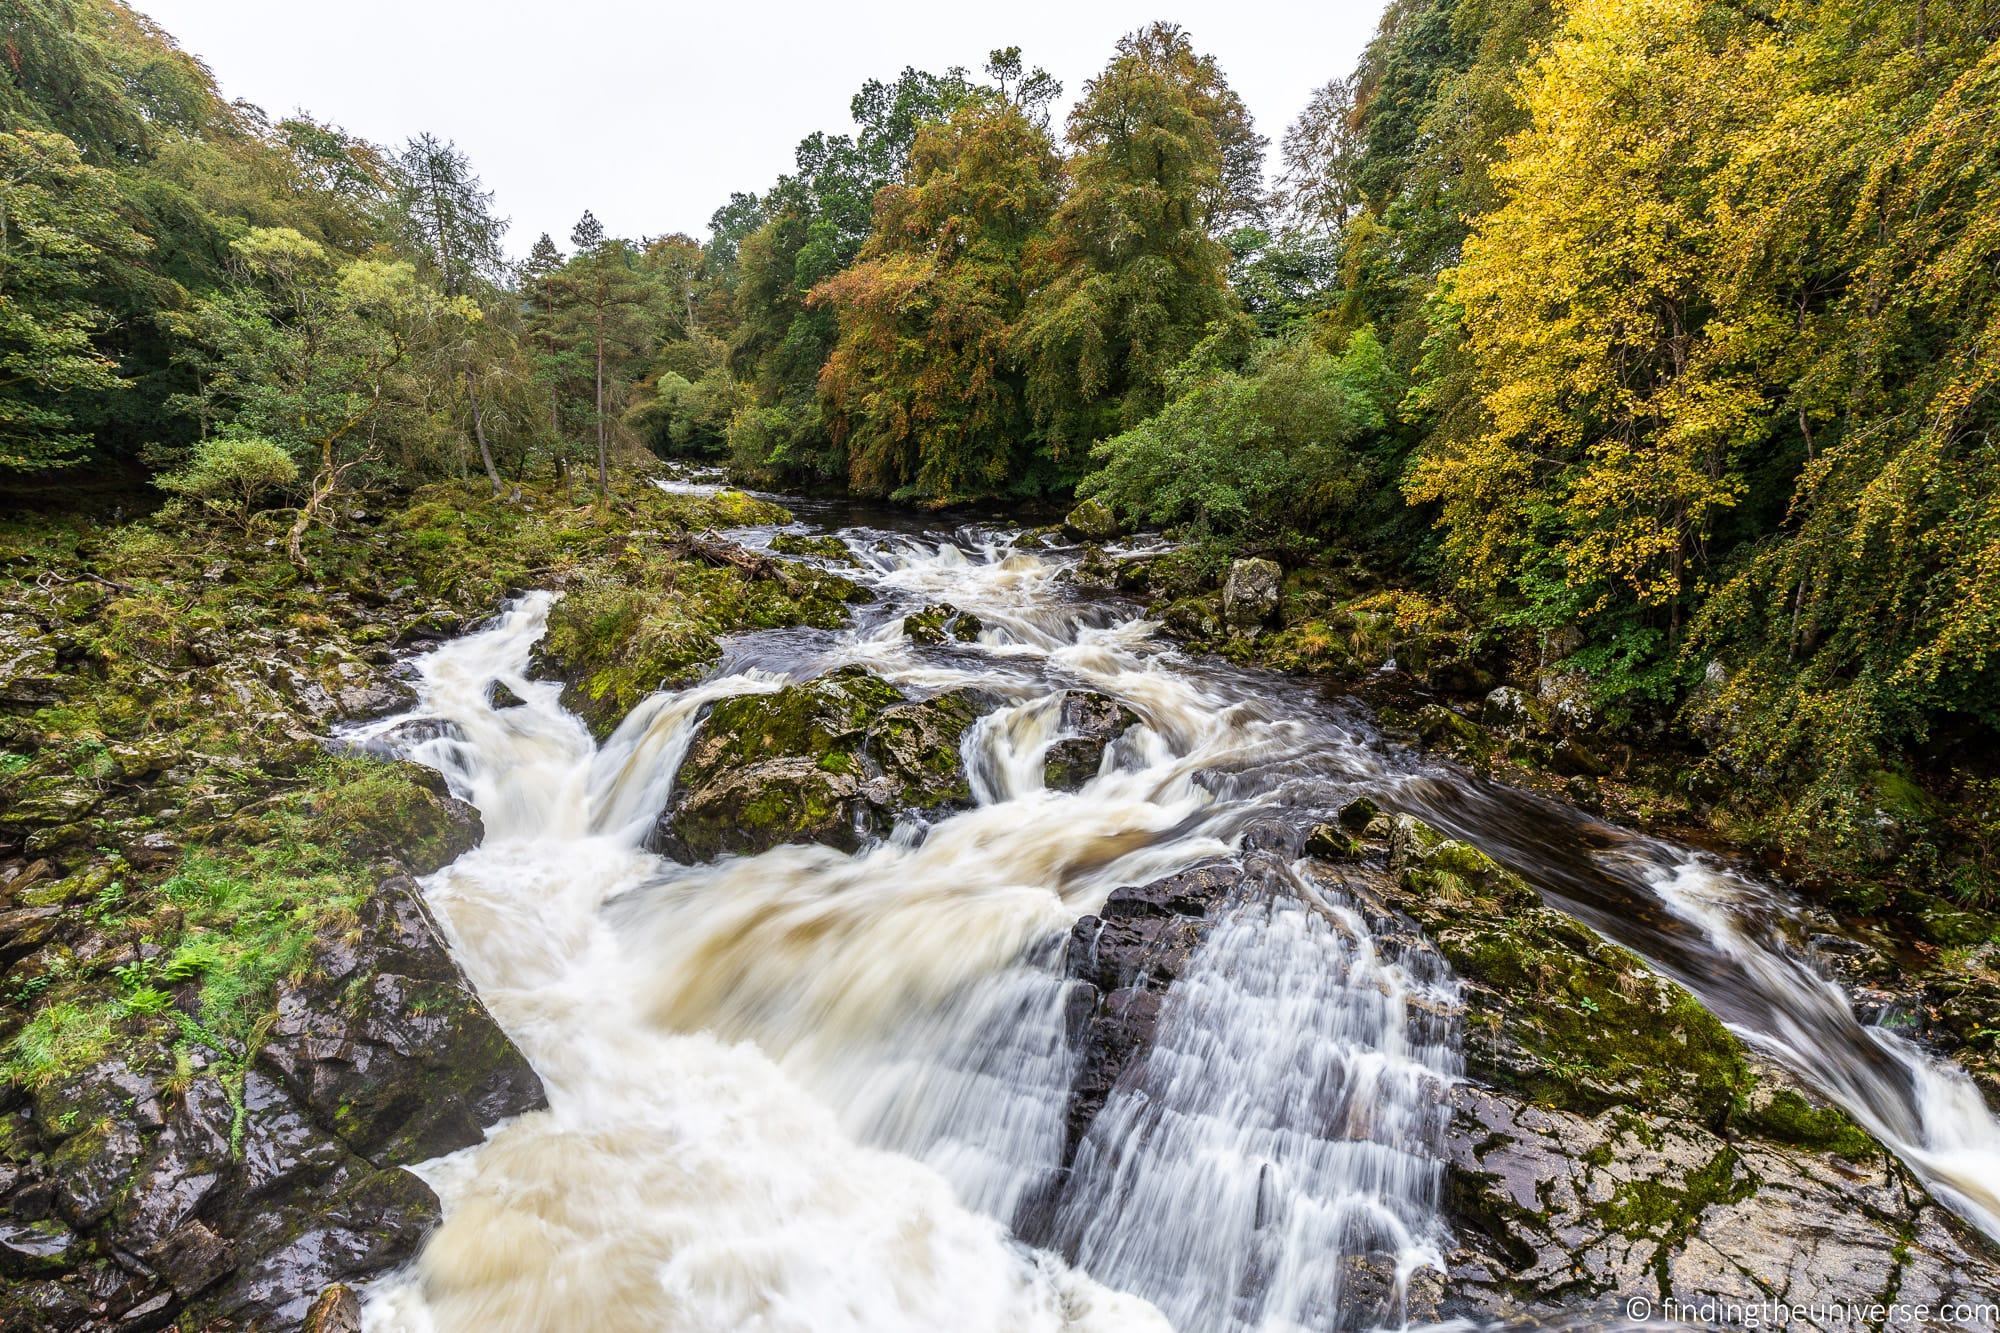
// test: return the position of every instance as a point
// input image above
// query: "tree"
(1263, 455)
(1236, 196)
(921, 391)
(1321, 185)
(449, 220)
(809, 227)
(1129, 277)
(59, 223)
(315, 355)
(609, 300)
(547, 294)
(230, 474)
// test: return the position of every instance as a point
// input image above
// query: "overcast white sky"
(650, 114)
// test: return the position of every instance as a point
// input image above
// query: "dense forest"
(1653, 339)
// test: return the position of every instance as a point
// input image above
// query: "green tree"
(59, 223)
(1263, 456)
(609, 308)
(230, 474)
(449, 221)
(1129, 277)
(921, 390)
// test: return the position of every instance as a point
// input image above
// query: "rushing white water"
(812, 1090)
(1285, 1123)
(1928, 1113)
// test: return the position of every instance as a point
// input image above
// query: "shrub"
(230, 474)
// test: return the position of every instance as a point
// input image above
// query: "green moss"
(1783, 1116)
(655, 623)
(1666, 1209)
(825, 546)
(1597, 1028)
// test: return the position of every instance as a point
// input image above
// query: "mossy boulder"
(1089, 723)
(1561, 1016)
(1613, 1139)
(823, 546)
(1092, 521)
(941, 622)
(829, 761)
(386, 1043)
(1250, 594)
(653, 623)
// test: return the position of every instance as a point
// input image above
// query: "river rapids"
(812, 1090)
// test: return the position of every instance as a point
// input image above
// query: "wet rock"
(1358, 814)
(1615, 1140)
(499, 695)
(372, 696)
(338, 1310)
(1094, 569)
(1250, 594)
(1197, 619)
(387, 1046)
(1565, 1218)
(828, 761)
(1092, 521)
(1090, 722)
(400, 739)
(825, 546)
(1127, 954)
(1588, 1025)
(941, 622)
(29, 673)
(1332, 842)
(29, 1248)
(1443, 729)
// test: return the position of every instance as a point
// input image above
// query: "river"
(812, 1090)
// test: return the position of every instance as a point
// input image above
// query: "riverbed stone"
(1091, 520)
(1615, 1140)
(387, 1046)
(1090, 722)
(1250, 594)
(940, 623)
(831, 760)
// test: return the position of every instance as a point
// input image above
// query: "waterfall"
(813, 1090)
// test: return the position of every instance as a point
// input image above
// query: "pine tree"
(449, 219)
(610, 295)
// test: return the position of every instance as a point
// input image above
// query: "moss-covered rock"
(823, 546)
(1089, 722)
(829, 761)
(1091, 520)
(941, 622)
(1564, 1017)
(652, 623)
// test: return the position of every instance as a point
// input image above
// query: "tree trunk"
(479, 430)
(603, 451)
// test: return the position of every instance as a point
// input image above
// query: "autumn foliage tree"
(1129, 277)
(921, 389)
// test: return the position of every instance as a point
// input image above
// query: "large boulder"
(1250, 594)
(1089, 722)
(1127, 954)
(830, 761)
(220, 1184)
(385, 1043)
(1092, 520)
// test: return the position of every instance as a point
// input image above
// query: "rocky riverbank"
(1610, 1141)
(230, 1018)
